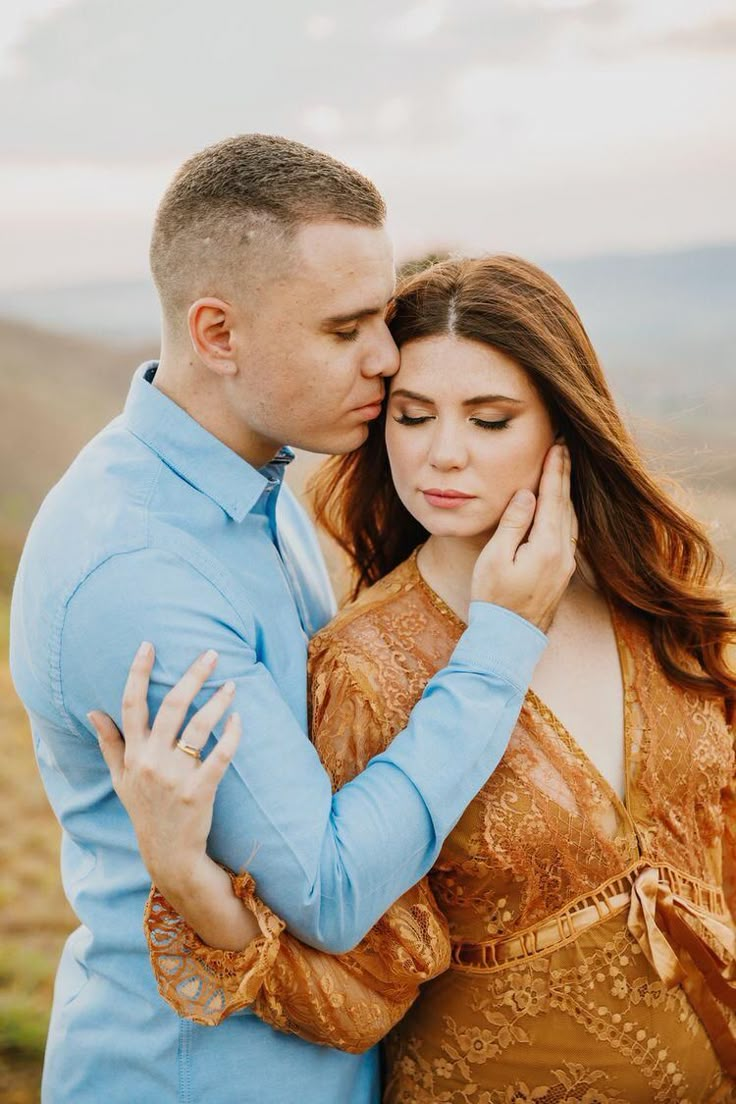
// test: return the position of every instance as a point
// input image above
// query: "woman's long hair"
(646, 551)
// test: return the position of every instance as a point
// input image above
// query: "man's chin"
(337, 444)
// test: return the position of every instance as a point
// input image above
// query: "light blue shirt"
(158, 531)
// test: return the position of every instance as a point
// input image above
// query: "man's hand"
(530, 576)
(168, 794)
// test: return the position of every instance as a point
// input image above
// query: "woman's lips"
(446, 500)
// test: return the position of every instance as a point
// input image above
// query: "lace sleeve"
(728, 804)
(204, 983)
(347, 1001)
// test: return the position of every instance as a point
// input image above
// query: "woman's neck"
(447, 564)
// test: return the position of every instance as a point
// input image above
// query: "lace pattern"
(582, 928)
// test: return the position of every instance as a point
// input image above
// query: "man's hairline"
(284, 232)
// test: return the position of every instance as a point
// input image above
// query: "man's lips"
(446, 499)
(370, 410)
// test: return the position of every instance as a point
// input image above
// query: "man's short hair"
(231, 206)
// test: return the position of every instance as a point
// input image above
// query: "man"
(273, 269)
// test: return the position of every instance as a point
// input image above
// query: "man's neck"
(190, 387)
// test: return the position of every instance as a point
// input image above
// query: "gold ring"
(195, 752)
(573, 540)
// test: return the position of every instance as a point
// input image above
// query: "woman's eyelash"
(347, 335)
(405, 419)
(490, 425)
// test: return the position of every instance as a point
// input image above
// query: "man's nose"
(384, 358)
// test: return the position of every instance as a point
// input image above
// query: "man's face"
(314, 346)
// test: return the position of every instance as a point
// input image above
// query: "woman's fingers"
(221, 756)
(552, 497)
(178, 701)
(204, 720)
(135, 695)
(512, 527)
(112, 745)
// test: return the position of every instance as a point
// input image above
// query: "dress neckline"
(548, 715)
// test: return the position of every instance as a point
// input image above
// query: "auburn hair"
(646, 551)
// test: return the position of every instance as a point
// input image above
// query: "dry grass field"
(34, 915)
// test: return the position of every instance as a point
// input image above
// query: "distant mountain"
(664, 323)
(123, 312)
(665, 326)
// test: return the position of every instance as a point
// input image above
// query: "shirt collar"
(193, 452)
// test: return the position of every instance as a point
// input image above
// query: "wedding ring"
(188, 749)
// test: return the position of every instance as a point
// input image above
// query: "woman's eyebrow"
(475, 401)
(402, 391)
(478, 399)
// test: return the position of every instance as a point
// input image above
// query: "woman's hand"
(169, 794)
(529, 574)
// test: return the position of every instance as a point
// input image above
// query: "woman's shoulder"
(363, 621)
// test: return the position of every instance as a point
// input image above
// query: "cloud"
(717, 36)
(152, 78)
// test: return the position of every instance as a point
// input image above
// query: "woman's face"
(465, 429)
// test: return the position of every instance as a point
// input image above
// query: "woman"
(581, 903)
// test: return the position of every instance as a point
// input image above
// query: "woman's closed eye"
(485, 424)
(406, 419)
(482, 423)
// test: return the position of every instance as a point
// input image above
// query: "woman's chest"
(548, 828)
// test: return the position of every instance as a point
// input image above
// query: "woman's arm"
(348, 1001)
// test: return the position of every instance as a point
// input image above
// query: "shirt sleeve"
(348, 1001)
(330, 864)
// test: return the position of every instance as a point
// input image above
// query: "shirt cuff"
(498, 641)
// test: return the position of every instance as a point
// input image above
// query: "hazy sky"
(548, 127)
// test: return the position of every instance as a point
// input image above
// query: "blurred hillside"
(664, 325)
(56, 391)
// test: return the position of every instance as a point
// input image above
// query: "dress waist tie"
(661, 921)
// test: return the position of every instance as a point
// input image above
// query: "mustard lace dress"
(569, 946)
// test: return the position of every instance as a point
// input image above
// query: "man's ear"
(210, 324)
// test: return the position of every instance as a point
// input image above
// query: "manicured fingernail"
(144, 651)
(91, 719)
(234, 718)
(229, 687)
(210, 656)
(523, 498)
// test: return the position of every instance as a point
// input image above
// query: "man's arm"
(330, 866)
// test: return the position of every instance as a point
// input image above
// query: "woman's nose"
(447, 451)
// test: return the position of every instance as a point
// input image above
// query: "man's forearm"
(331, 865)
